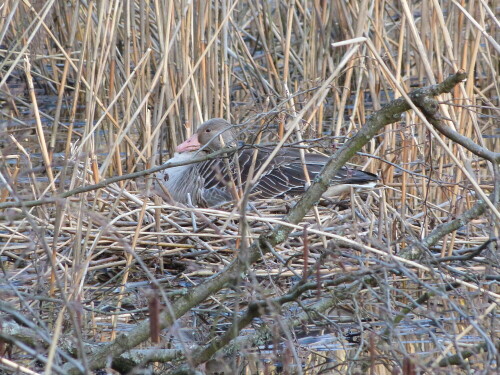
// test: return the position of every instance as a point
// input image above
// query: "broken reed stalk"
(239, 75)
(389, 113)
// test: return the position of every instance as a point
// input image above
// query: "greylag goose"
(212, 182)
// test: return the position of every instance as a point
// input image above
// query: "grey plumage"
(219, 180)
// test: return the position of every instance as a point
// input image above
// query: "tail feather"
(354, 177)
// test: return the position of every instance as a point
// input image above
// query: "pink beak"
(190, 144)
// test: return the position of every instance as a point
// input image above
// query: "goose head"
(211, 136)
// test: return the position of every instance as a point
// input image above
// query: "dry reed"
(96, 89)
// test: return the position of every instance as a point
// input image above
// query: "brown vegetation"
(94, 97)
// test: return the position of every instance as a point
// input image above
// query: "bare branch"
(390, 113)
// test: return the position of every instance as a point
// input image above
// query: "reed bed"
(93, 90)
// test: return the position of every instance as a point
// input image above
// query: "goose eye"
(208, 130)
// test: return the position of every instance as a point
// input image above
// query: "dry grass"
(91, 90)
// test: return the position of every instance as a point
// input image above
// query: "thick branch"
(257, 309)
(459, 359)
(429, 106)
(415, 251)
(390, 113)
